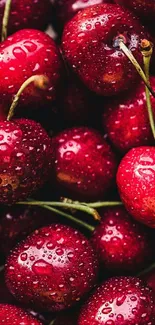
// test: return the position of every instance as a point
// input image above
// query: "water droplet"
(41, 267)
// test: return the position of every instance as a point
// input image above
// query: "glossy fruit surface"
(66, 9)
(91, 46)
(144, 9)
(16, 222)
(52, 269)
(119, 301)
(125, 119)
(25, 150)
(26, 14)
(29, 52)
(12, 315)
(84, 164)
(123, 245)
(136, 184)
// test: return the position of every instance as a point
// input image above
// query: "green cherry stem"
(147, 270)
(104, 204)
(70, 217)
(98, 204)
(130, 56)
(40, 81)
(5, 20)
(76, 206)
(147, 50)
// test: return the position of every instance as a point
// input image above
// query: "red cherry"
(26, 14)
(25, 151)
(12, 315)
(66, 9)
(52, 269)
(123, 245)
(84, 164)
(143, 9)
(16, 222)
(91, 46)
(120, 301)
(126, 121)
(136, 184)
(28, 52)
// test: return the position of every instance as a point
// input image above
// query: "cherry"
(126, 121)
(123, 245)
(144, 9)
(84, 164)
(29, 52)
(25, 151)
(65, 10)
(16, 222)
(136, 184)
(12, 315)
(91, 46)
(52, 269)
(26, 14)
(120, 301)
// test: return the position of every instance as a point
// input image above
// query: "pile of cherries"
(77, 163)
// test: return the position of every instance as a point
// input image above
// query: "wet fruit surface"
(16, 222)
(12, 315)
(84, 163)
(144, 9)
(24, 144)
(23, 54)
(52, 269)
(126, 119)
(66, 9)
(90, 45)
(26, 14)
(135, 180)
(123, 245)
(119, 301)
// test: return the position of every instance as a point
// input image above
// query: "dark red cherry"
(120, 301)
(52, 269)
(84, 164)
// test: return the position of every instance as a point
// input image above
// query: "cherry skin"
(67, 9)
(136, 184)
(90, 44)
(84, 164)
(123, 245)
(12, 315)
(119, 301)
(52, 269)
(25, 151)
(144, 9)
(29, 52)
(26, 14)
(126, 121)
(16, 222)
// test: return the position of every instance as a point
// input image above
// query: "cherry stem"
(40, 81)
(147, 50)
(5, 19)
(135, 63)
(70, 217)
(76, 206)
(98, 204)
(147, 270)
